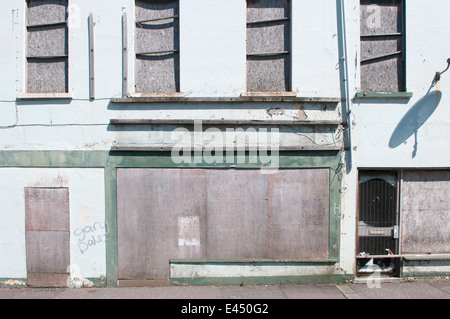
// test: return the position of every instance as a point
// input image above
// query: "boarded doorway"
(219, 214)
(47, 236)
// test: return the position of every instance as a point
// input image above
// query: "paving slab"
(312, 292)
(404, 290)
(432, 289)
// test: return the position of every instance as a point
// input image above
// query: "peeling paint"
(300, 114)
(275, 111)
(12, 283)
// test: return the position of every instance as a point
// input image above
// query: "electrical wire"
(53, 125)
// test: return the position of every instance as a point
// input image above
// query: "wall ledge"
(240, 99)
(44, 96)
(222, 122)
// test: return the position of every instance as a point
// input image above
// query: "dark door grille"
(377, 213)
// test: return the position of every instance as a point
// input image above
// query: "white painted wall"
(315, 55)
(427, 33)
(212, 47)
(87, 206)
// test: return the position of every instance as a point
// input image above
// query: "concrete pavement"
(418, 289)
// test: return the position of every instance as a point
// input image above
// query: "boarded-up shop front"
(219, 214)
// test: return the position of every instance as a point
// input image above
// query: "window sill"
(157, 95)
(269, 94)
(239, 99)
(383, 96)
(45, 96)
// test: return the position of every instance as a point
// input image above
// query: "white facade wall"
(213, 64)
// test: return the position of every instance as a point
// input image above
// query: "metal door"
(377, 221)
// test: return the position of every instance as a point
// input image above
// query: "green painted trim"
(97, 282)
(103, 159)
(266, 280)
(336, 175)
(251, 261)
(112, 278)
(295, 159)
(72, 159)
(388, 96)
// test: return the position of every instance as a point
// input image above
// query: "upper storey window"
(47, 46)
(382, 46)
(157, 46)
(268, 45)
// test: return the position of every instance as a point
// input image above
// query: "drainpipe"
(346, 114)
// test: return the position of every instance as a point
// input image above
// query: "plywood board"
(425, 212)
(258, 10)
(48, 251)
(42, 280)
(154, 208)
(157, 36)
(268, 73)
(44, 11)
(382, 18)
(47, 209)
(48, 41)
(147, 10)
(47, 76)
(237, 214)
(226, 214)
(157, 73)
(299, 214)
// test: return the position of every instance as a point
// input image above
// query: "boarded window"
(268, 45)
(157, 46)
(382, 46)
(47, 46)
